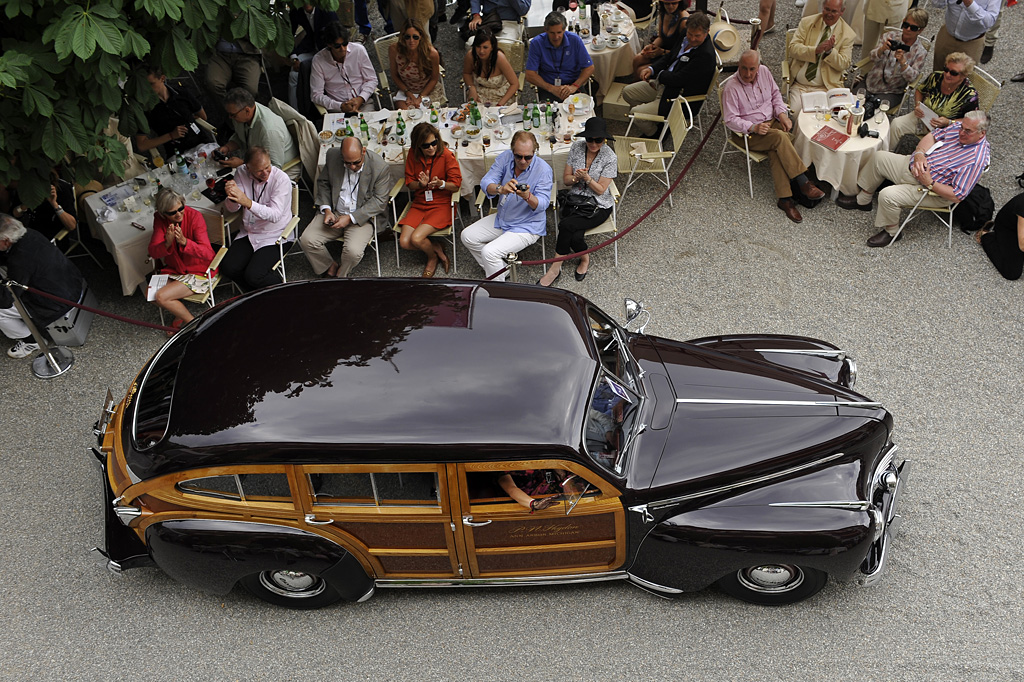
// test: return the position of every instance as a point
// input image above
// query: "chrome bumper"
(873, 568)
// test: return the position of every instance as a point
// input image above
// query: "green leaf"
(193, 17)
(62, 43)
(183, 50)
(260, 27)
(107, 36)
(104, 10)
(173, 9)
(33, 101)
(15, 7)
(83, 41)
(136, 44)
(110, 95)
(240, 25)
(53, 141)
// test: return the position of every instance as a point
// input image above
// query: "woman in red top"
(431, 173)
(180, 240)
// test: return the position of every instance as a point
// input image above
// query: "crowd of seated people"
(354, 187)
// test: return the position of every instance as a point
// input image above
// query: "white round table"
(838, 168)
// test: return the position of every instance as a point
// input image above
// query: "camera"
(864, 132)
(520, 187)
(871, 104)
(218, 155)
(897, 46)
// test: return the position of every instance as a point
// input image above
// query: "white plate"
(414, 114)
(502, 133)
(458, 132)
(594, 47)
(580, 100)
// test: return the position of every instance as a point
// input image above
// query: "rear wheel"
(773, 584)
(293, 589)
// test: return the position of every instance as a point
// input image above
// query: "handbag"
(582, 205)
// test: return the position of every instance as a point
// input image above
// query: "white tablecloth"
(838, 168)
(474, 160)
(127, 244)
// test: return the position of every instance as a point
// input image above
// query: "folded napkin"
(474, 149)
(511, 110)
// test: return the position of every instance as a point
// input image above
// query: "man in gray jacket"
(353, 188)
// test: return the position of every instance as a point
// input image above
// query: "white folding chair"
(730, 141)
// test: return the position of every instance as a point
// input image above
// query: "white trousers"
(12, 325)
(488, 245)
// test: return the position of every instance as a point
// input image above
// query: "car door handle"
(311, 520)
(468, 520)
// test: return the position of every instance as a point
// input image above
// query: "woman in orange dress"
(431, 173)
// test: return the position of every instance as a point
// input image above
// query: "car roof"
(378, 362)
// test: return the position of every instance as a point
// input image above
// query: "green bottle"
(400, 125)
(433, 114)
(527, 118)
(364, 130)
(536, 116)
(348, 128)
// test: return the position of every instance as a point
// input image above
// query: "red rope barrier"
(97, 311)
(623, 233)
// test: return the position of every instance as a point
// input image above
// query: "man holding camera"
(523, 183)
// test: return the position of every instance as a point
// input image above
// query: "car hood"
(747, 419)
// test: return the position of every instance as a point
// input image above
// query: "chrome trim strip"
(853, 505)
(749, 481)
(503, 582)
(893, 521)
(837, 354)
(648, 585)
(141, 384)
(805, 403)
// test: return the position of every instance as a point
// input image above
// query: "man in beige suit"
(353, 188)
(820, 52)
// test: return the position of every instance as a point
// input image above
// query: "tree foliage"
(67, 66)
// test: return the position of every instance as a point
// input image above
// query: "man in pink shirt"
(264, 193)
(341, 77)
(947, 162)
(752, 104)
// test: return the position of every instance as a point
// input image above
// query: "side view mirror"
(635, 311)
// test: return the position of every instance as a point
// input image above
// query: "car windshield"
(612, 352)
(611, 422)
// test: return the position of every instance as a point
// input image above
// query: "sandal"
(175, 326)
(428, 272)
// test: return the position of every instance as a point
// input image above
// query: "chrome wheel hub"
(771, 578)
(293, 584)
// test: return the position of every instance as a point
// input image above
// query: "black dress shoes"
(788, 207)
(986, 54)
(580, 276)
(1019, 78)
(883, 238)
(850, 203)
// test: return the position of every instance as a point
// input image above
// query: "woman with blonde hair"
(948, 93)
(415, 67)
(179, 240)
(431, 174)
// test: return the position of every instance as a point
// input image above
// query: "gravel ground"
(936, 340)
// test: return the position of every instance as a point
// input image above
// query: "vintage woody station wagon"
(316, 440)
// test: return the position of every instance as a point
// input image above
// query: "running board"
(502, 582)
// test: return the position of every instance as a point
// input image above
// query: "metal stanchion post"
(512, 261)
(52, 361)
(755, 33)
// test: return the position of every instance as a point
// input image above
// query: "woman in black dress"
(1003, 239)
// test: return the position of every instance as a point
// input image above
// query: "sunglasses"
(595, 140)
(176, 211)
(428, 145)
(410, 36)
(524, 157)
(953, 73)
(913, 28)
(338, 46)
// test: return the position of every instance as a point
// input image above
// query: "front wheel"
(293, 589)
(773, 584)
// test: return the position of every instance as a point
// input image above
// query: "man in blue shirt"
(558, 64)
(523, 182)
(964, 28)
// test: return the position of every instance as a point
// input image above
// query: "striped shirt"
(954, 164)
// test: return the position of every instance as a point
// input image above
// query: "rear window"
(153, 402)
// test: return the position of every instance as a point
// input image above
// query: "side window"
(493, 487)
(221, 487)
(607, 342)
(240, 487)
(377, 489)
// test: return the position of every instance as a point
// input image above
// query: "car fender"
(213, 555)
(691, 550)
(813, 357)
